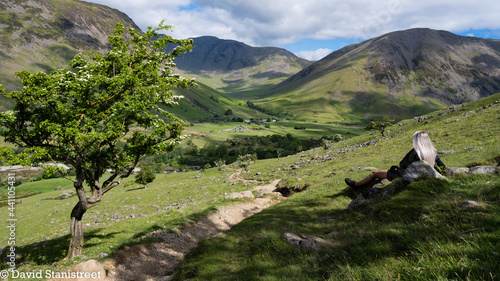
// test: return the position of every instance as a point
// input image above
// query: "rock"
(67, 194)
(243, 194)
(420, 168)
(305, 241)
(483, 170)
(381, 183)
(102, 255)
(469, 204)
(356, 202)
(364, 168)
(446, 151)
(452, 171)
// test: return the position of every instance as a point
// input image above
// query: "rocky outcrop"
(412, 173)
(304, 241)
(43, 35)
(483, 169)
(418, 169)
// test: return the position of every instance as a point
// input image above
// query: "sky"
(311, 29)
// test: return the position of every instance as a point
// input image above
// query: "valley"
(263, 118)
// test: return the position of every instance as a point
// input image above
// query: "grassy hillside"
(348, 95)
(230, 66)
(203, 103)
(44, 35)
(401, 74)
(420, 233)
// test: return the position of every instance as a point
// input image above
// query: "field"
(208, 133)
(419, 234)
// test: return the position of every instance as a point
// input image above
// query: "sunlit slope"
(203, 103)
(400, 74)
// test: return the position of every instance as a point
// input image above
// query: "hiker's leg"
(381, 174)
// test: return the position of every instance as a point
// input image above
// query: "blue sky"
(311, 29)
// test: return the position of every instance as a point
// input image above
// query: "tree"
(99, 115)
(380, 125)
(244, 161)
(145, 175)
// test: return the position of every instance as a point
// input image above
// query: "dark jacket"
(412, 156)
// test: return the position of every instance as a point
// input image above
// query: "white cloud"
(280, 22)
(314, 55)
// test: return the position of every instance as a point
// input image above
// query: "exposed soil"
(158, 261)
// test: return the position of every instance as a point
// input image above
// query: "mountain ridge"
(45, 35)
(402, 74)
(232, 66)
(405, 73)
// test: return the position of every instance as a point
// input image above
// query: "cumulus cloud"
(314, 55)
(280, 22)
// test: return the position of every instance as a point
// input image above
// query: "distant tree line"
(263, 147)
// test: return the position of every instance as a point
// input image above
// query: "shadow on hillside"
(422, 219)
(51, 251)
(353, 193)
(137, 188)
(153, 261)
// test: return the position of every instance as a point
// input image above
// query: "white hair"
(424, 148)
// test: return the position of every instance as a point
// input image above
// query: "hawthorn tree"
(102, 114)
(145, 175)
(380, 125)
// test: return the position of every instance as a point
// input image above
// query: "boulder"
(469, 204)
(243, 194)
(420, 168)
(453, 171)
(305, 241)
(483, 170)
(364, 169)
(356, 202)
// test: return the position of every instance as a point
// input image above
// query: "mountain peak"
(43, 35)
(414, 70)
(237, 66)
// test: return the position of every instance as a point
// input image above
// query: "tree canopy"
(103, 114)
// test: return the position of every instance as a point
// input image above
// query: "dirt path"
(158, 261)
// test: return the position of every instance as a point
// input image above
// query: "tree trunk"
(76, 226)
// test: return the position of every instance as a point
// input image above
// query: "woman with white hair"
(422, 150)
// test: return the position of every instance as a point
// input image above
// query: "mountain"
(43, 35)
(205, 104)
(231, 66)
(401, 74)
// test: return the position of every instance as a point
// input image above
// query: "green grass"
(211, 133)
(47, 185)
(419, 234)
(170, 201)
(345, 93)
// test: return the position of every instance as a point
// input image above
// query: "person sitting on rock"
(422, 150)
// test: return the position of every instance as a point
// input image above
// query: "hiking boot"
(350, 182)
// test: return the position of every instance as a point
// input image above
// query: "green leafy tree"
(244, 161)
(145, 175)
(380, 125)
(99, 115)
